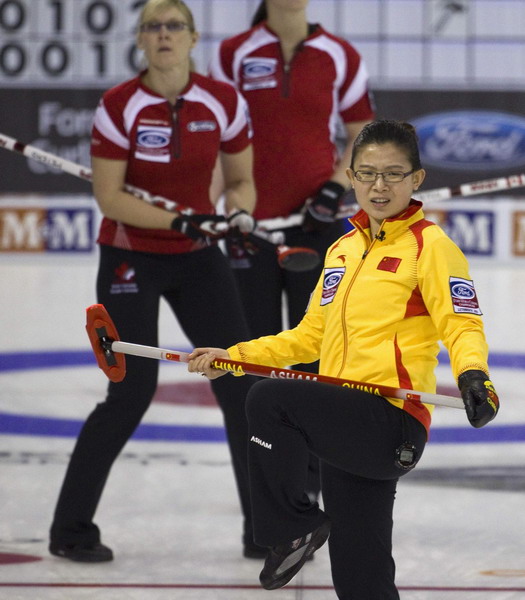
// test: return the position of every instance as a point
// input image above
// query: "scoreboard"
(68, 43)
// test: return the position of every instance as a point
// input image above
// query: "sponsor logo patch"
(463, 294)
(152, 137)
(331, 281)
(262, 443)
(258, 73)
(255, 67)
(195, 126)
(153, 143)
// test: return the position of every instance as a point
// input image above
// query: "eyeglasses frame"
(405, 175)
(156, 26)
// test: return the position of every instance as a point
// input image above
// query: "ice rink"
(170, 510)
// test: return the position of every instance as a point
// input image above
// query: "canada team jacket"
(294, 107)
(380, 308)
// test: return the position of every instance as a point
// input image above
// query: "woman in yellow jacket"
(390, 290)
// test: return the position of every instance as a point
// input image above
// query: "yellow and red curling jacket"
(380, 308)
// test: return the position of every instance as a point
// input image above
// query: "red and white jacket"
(170, 150)
(294, 109)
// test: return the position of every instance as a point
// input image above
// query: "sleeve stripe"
(339, 59)
(136, 103)
(240, 121)
(336, 53)
(216, 71)
(106, 127)
(228, 129)
(358, 88)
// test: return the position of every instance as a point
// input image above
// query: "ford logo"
(258, 67)
(258, 70)
(332, 280)
(461, 290)
(152, 139)
(471, 140)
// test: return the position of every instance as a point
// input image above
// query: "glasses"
(156, 26)
(388, 176)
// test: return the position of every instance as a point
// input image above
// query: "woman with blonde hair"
(162, 131)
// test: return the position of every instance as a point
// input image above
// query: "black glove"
(479, 396)
(198, 227)
(242, 221)
(239, 244)
(322, 211)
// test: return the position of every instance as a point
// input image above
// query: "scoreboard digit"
(66, 43)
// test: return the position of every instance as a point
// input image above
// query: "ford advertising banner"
(56, 121)
(464, 135)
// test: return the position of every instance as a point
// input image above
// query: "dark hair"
(261, 14)
(386, 131)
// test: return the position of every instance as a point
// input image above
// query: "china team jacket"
(381, 306)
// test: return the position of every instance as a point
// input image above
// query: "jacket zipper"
(288, 65)
(175, 121)
(286, 80)
(287, 68)
(345, 301)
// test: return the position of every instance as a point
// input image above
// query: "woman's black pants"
(355, 435)
(200, 289)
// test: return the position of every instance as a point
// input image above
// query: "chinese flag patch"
(389, 263)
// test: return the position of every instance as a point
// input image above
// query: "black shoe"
(285, 561)
(89, 553)
(255, 551)
(260, 553)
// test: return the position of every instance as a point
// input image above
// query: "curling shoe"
(260, 552)
(255, 551)
(88, 553)
(285, 561)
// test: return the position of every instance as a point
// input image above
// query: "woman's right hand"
(200, 359)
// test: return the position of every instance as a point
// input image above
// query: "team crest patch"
(124, 280)
(332, 279)
(463, 294)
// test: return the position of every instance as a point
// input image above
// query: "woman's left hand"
(200, 360)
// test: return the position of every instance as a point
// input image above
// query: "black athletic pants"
(262, 282)
(200, 289)
(355, 435)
